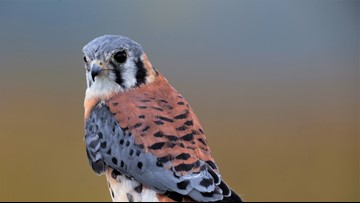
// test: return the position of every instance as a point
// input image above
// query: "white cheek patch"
(103, 87)
(129, 74)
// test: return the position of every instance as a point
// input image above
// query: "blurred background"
(274, 83)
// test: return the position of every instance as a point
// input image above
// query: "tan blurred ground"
(274, 83)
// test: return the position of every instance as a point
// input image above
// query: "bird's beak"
(95, 70)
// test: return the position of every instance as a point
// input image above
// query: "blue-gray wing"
(108, 145)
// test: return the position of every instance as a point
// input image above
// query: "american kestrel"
(141, 133)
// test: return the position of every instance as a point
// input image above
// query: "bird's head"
(115, 64)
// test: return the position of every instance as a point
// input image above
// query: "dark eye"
(120, 57)
(85, 59)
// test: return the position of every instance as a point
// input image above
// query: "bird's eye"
(120, 57)
(85, 59)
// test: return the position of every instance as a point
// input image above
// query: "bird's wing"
(151, 134)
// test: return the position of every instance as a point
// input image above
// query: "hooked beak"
(95, 70)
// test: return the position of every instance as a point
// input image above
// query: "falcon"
(141, 133)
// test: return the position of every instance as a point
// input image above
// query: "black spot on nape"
(202, 141)
(159, 122)
(142, 116)
(121, 142)
(183, 156)
(184, 167)
(165, 119)
(181, 128)
(211, 164)
(139, 188)
(157, 146)
(115, 174)
(103, 145)
(159, 134)
(131, 152)
(188, 137)
(122, 164)
(130, 197)
(174, 196)
(180, 103)
(127, 143)
(114, 160)
(141, 73)
(145, 129)
(183, 184)
(206, 182)
(140, 165)
(138, 152)
(137, 125)
(182, 116)
(189, 123)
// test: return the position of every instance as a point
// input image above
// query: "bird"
(141, 133)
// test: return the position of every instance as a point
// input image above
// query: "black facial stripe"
(141, 73)
(118, 76)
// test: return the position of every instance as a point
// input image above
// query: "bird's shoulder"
(162, 120)
(152, 134)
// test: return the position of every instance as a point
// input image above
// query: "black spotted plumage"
(119, 153)
(141, 129)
